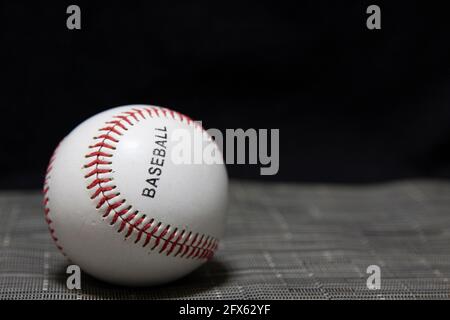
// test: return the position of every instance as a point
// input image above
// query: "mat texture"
(283, 241)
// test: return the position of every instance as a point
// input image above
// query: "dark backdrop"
(353, 105)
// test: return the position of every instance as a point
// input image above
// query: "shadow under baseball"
(200, 284)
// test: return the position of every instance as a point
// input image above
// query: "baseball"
(122, 210)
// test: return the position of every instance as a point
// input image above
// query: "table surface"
(283, 241)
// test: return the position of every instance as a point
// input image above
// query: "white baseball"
(119, 208)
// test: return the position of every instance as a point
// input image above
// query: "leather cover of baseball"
(121, 209)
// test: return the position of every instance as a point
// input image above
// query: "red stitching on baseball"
(97, 182)
(104, 145)
(161, 235)
(97, 161)
(46, 201)
(150, 235)
(97, 171)
(165, 237)
(117, 123)
(169, 240)
(98, 154)
(105, 198)
(100, 190)
(140, 112)
(174, 244)
(133, 226)
(124, 118)
(106, 137)
(113, 129)
(119, 213)
(112, 207)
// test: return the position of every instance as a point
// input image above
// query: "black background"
(352, 104)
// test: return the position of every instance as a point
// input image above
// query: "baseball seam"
(46, 202)
(173, 241)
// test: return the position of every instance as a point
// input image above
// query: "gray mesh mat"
(284, 241)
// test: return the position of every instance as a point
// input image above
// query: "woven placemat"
(283, 241)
